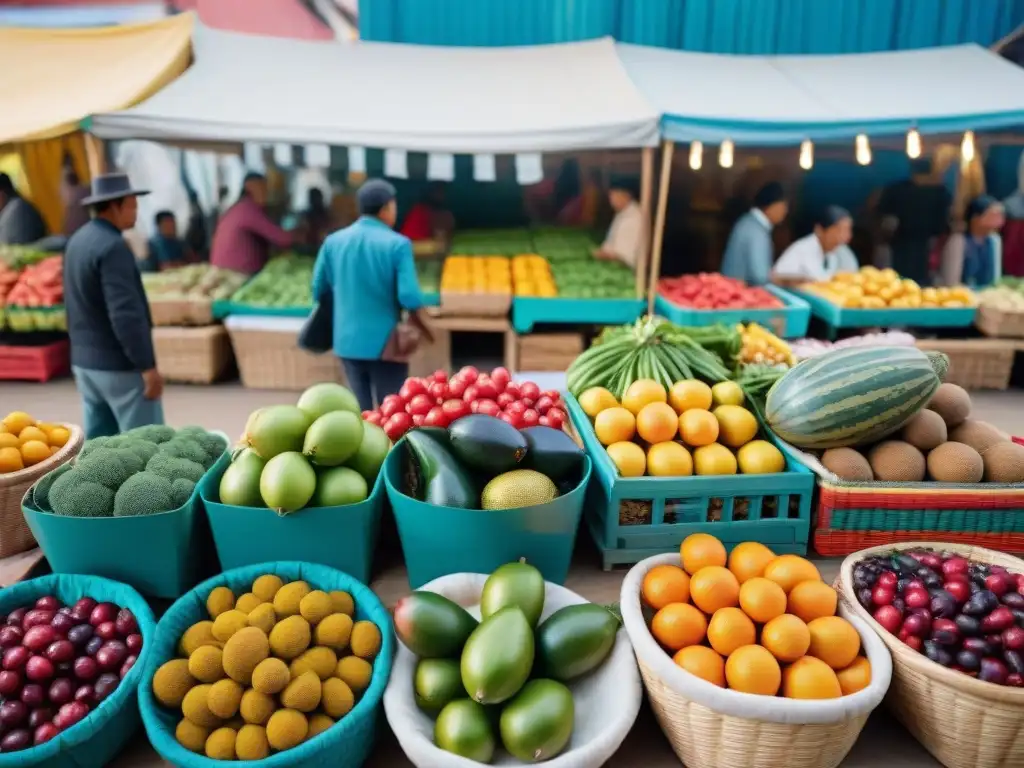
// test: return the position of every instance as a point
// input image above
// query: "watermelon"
(853, 396)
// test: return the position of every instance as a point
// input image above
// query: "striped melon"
(853, 396)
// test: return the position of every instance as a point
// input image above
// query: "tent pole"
(667, 148)
(94, 156)
(646, 189)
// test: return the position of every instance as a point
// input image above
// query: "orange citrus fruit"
(34, 451)
(736, 424)
(833, 640)
(7, 440)
(789, 570)
(657, 423)
(628, 458)
(811, 600)
(762, 600)
(749, 559)
(669, 460)
(642, 392)
(678, 625)
(689, 394)
(699, 550)
(855, 677)
(595, 400)
(16, 421)
(810, 678)
(751, 669)
(32, 434)
(786, 637)
(614, 425)
(714, 459)
(59, 436)
(698, 427)
(665, 584)
(703, 662)
(714, 587)
(729, 629)
(10, 460)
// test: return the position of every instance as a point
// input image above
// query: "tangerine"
(855, 677)
(751, 669)
(714, 587)
(678, 625)
(689, 394)
(749, 559)
(762, 600)
(736, 425)
(16, 421)
(786, 637)
(810, 678)
(595, 400)
(811, 600)
(703, 662)
(698, 427)
(641, 392)
(7, 440)
(665, 584)
(789, 570)
(32, 433)
(714, 459)
(657, 423)
(614, 425)
(59, 436)
(34, 451)
(628, 458)
(729, 629)
(699, 550)
(833, 640)
(669, 460)
(10, 460)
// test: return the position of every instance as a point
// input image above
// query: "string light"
(696, 155)
(725, 154)
(967, 147)
(806, 155)
(913, 144)
(863, 150)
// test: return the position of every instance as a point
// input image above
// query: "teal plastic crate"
(789, 322)
(527, 311)
(222, 309)
(343, 538)
(928, 317)
(438, 541)
(773, 509)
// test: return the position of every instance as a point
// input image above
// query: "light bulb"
(806, 155)
(913, 144)
(863, 150)
(696, 155)
(967, 147)
(725, 153)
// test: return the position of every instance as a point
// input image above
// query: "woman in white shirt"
(821, 254)
(628, 235)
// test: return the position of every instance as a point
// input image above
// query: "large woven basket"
(15, 537)
(1000, 323)
(272, 360)
(710, 727)
(975, 363)
(193, 355)
(963, 722)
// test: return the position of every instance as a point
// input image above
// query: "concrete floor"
(226, 407)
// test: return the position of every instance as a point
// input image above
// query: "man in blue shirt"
(166, 249)
(750, 252)
(369, 270)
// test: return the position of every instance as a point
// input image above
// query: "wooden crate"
(193, 355)
(548, 351)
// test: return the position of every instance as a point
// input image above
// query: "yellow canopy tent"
(50, 79)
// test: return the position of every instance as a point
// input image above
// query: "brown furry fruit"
(895, 461)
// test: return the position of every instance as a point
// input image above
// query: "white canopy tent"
(243, 88)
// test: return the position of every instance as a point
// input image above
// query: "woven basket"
(273, 360)
(15, 537)
(709, 727)
(193, 355)
(963, 722)
(170, 312)
(1000, 323)
(975, 363)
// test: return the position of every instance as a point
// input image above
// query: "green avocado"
(553, 453)
(518, 584)
(432, 626)
(487, 444)
(575, 640)
(537, 724)
(463, 728)
(436, 683)
(438, 478)
(498, 657)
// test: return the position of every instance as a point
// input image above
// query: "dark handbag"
(317, 333)
(403, 342)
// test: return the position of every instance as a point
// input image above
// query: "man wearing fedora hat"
(108, 317)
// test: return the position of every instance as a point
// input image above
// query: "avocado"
(575, 640)
(518, 584)
(498, 657)
(432, 626)
(463, 728)
(436, 683)
(552, 452)
(487, 444)
(439, 479)
(537, 724)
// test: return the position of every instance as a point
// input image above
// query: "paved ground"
(226, 408)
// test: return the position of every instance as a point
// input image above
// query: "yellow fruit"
(665, 584)
(263, 617)
(197, 635)
(714, 587)
(7, 440)
(595, 400)
(318, 723)
(762, 600)
(736, 425)
(256, 708)
(220, 600)
(641, 392)
(657, 423)
(727, 393)
(714, 459)
(251, 743)
(58, 436)
(855, 677)
(243, 652)
(206, 664)
(223, 698)
(698, 427)
(688, 394)
(786, 637)
(789, 570)
(315, 606)
(287, 728)
(759, 457)
(30, 434)
(288, 597)
(221, 744)
(266, 586)
(729, 629)
(334, 631)
(614, 425)
(290, 637)
(302, 693)
(342, 602)
(191, 736)
(809, 678)
(247, 603)
(34, 451)
(228, 623)
(751, 669)
(10, 460)
(336, 698)
(703, 662)
(834, 641)
(669, 460)
(628, 458)
(196, 708)
(365, 640)
(699, 550)
(321, 661)
(678, 625)
(171, 682)
(355, 672)
(811, 600)
(16, 421)
(749, 559)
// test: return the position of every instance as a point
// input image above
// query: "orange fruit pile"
(25, 441)
(753, 621)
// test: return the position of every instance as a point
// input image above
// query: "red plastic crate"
(35, 363)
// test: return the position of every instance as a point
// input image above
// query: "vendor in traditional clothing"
(630, 231)
(821, 254)
(974, 257)
(750, 251)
